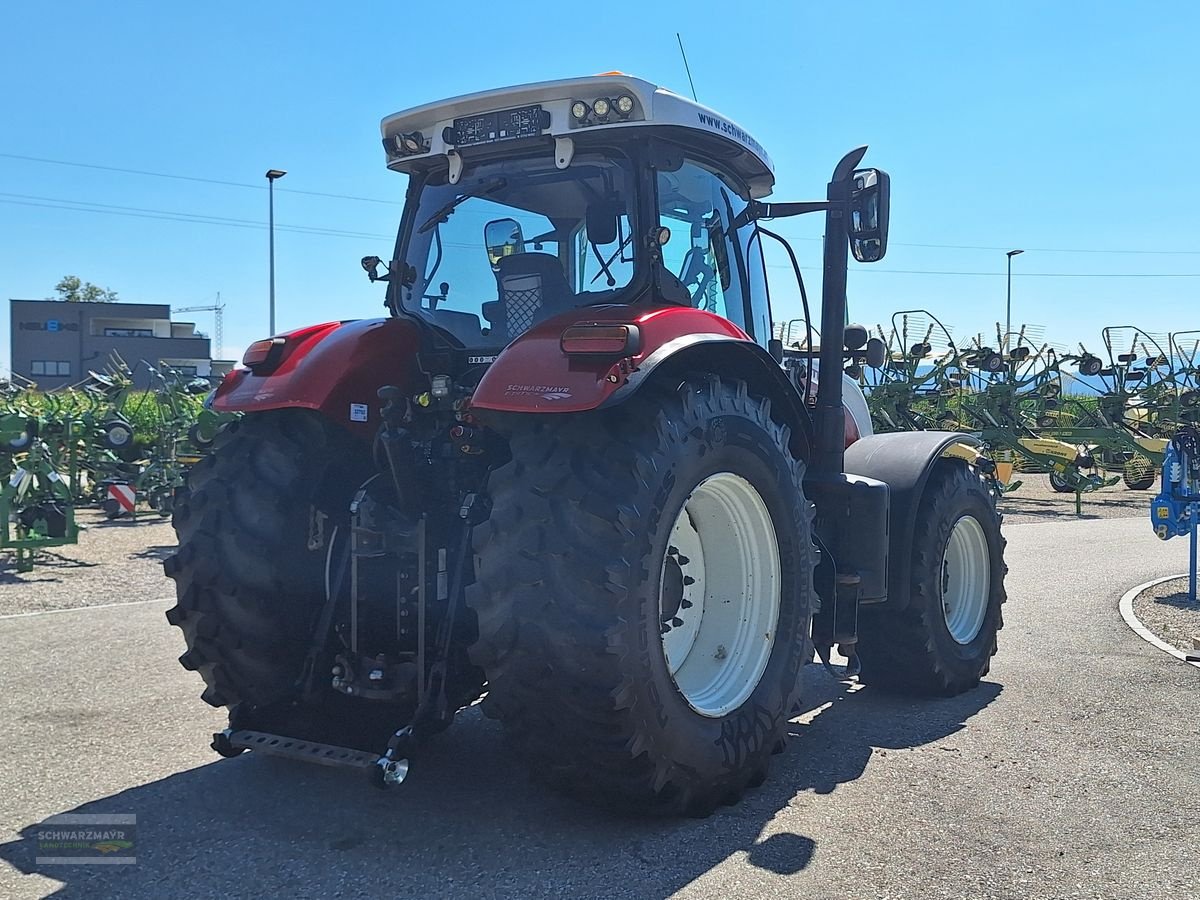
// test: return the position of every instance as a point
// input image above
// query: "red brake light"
(601, 340)
(263, 351)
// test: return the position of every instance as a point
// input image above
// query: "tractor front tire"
(943, 642)
(644, 594)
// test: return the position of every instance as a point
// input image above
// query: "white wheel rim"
(966, 579)
(718, 627)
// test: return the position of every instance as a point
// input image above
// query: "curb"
(1126, 608)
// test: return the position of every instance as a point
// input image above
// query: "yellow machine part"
(1050, 447)
(1154, 445)
(969, 454)
(961, 451)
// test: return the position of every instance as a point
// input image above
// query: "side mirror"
(876, 353)
(371, 265)
(601, 221)
(503, 237)
(854, 337)
(775, 346)
(870, 206)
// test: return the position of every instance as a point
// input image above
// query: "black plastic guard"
(904, 461)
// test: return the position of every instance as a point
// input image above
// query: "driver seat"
(532, 288)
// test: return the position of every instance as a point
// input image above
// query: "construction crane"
(218, 311)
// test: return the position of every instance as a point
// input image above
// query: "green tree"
(71, 289)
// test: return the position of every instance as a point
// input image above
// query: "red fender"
(335, 369)
(534, 375)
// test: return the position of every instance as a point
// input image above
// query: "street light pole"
(272, 174)
(1008, 302)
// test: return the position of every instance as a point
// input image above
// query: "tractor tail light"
(263, 353)
(601, 340)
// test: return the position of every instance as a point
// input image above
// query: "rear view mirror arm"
(758, 210)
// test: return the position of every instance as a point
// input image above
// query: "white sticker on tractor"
(358, 412)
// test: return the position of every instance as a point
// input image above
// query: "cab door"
(721, 269)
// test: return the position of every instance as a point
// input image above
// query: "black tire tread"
(246, 586)
(898, 649)
(552, 571)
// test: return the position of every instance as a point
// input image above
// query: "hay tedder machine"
(37, 495)
(573, 472)
(1086, 420)
(97, 443)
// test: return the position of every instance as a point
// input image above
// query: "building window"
(129, 332)
(185, 371)
(49, 367)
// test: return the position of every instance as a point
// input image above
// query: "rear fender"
(335, 369)
(904, 461)
(741, 360)
(534, 375)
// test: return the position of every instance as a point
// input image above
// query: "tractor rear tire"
(588, 633)
(248, 586)
(943, 642)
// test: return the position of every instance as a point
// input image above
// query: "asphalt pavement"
(1073, 771)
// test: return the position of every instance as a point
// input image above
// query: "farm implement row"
(99, 443)
(1087, 419)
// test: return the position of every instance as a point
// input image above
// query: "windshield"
(518, 241)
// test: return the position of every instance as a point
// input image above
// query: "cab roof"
(414, 138)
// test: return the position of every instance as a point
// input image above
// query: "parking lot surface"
(1071, 772)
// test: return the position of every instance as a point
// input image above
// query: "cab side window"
(756, 277)
(697, 205)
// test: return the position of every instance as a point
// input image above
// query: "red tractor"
(572, 473)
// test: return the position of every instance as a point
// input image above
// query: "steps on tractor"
(231, 743)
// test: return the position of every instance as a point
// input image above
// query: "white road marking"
(47, 612)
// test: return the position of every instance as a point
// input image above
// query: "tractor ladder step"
(294, 748)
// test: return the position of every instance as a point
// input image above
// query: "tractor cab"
(529, 202)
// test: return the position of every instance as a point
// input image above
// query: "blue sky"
(1049, 127)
